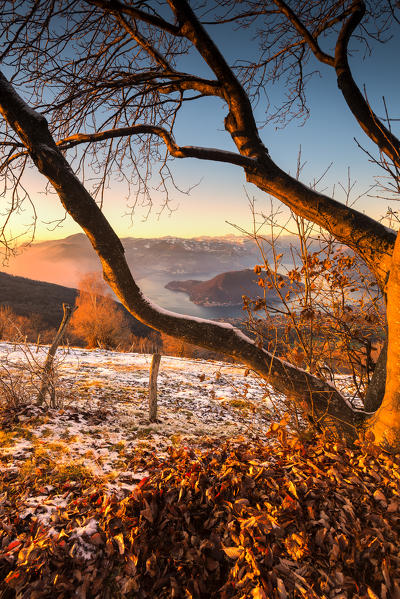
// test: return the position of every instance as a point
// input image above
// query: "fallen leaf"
(233, 552)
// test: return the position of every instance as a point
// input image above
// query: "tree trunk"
(322, 402)
(47, 378)
(376, 388)
(385, 423)
(155, 364)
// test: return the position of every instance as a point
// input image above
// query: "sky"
(220, 195)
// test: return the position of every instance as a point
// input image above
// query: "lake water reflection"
(176, 301)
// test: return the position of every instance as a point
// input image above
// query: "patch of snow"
(89, 529)
(43, 508)
(103, 421)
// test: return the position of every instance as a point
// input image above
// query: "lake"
(176, 301)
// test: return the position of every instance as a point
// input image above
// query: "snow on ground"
(102, 413)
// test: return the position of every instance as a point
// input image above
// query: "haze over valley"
(155, 263)
(63, 261)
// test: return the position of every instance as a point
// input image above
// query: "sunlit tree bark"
(127, 65)
(385, 423)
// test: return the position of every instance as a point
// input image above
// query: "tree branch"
(114, 6)
(164, 82)
(321, 400)
(177, 151)
(388, 143)
(240, 118)
(303, 31)
(143, 43)
(367, 237)
(367, 119)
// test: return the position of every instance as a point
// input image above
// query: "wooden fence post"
(155, 364)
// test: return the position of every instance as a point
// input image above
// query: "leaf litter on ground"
(255, 514)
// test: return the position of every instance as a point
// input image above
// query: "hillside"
(27, 296)
(225, 289)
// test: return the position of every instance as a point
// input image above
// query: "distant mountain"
(225, 289)
(61, 261)
(27, 296)
(64, 261)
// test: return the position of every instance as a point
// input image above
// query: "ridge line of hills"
(64, 261)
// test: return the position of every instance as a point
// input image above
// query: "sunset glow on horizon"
(219, 194)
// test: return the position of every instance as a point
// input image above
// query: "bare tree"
(103, 83)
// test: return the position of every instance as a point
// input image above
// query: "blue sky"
(221, 193)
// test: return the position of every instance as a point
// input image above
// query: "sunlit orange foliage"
(16, 327)
(97, 320)
(176, 347)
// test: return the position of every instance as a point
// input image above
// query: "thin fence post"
(155, 364)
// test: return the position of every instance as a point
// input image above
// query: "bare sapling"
(14, 387)
(155, 365)
(329, 317)
(21, 375)
(47, 373)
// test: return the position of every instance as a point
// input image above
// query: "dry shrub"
(330, 316)
(21, 375)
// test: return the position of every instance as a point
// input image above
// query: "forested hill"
(228, 288)
(27, 296)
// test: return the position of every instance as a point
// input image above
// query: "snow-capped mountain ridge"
(63, 261)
